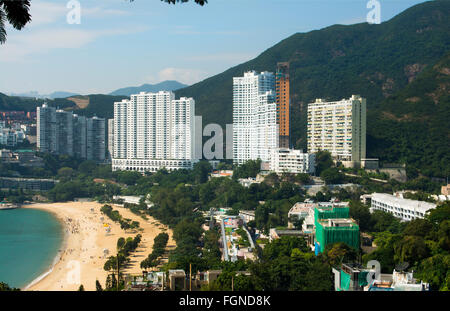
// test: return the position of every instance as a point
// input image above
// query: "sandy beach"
(85, 242)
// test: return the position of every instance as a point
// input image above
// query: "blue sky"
(119, 44)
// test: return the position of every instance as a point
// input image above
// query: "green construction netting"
(362, 278)
(331, 212)
(329, 235)
(345, 280)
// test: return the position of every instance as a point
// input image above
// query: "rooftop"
(404, 203)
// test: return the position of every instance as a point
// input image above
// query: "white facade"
(152, 131)
(284, 160)
(405, 209)
(255, 128)
(339, 127)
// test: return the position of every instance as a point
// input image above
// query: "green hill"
(375, 61)
(413, 126)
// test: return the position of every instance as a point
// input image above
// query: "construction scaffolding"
(331, 212)
(337, 230)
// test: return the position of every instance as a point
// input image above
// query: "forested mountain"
(413, 126)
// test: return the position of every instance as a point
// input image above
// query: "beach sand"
(85, 241)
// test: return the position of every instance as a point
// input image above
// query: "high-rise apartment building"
(110, 138)
(283, 104)
(62, 132)
(340, 128)
(79, 136)
(95, 139)
(46, 128)
(152, 131)
(255, 128)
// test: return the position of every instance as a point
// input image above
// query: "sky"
(119, 44)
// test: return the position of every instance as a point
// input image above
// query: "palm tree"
(17, 12)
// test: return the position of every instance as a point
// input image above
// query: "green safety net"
(345, 280)
(331, 212)
(330, 235)
(362, 278)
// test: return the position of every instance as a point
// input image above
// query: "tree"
(332, 176)
(418, 227)
(323, 161)
(81, 288)
(411, 249)
(337, 253)
(17, 12)
(65, 172)
(98, 286)
(5, 288)
(361, 214)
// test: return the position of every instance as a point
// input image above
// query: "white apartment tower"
(46, 128)
(152, 131)
(340, 128)
(255, 128)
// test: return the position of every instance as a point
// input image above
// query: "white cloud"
(43, 12)
(21, 45)
(183, 75)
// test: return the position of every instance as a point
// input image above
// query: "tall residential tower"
(283, 103)
(340, 128)
(152, 131)
(255, 128)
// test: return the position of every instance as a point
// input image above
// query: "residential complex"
(255, 128)
(62, 132)
(340, 128)
(404, 209)
(283, 160)
(152, 131)
(11, 135)
(261, 122)
(283, 103)
(325, 223)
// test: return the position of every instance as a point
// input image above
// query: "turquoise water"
(29, 242)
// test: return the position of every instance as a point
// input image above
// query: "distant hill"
(61, 94)
(34, 94)
(87, 105)
(162, 86)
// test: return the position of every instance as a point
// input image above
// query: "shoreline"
(86, 245)
(58, 255)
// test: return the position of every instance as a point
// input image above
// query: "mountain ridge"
(168, 85)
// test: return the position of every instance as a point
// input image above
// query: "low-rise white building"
(300, 211)
(283, 160)
(404, 209)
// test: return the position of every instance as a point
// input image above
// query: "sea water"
(29, 243)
